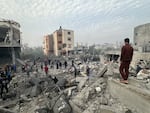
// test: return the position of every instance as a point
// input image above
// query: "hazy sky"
(93, 21)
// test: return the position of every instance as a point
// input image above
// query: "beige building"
(48, 45)
(61, 42)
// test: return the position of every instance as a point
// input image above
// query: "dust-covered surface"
(61, 92)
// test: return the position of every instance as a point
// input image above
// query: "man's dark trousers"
(124, 70)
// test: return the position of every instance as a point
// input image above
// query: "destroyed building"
(10, 45)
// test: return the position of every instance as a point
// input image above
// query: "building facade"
(48, 45)
(61, 42)
(142, 37)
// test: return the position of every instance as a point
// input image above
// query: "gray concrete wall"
(142, 35)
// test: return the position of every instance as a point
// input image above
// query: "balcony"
(9, 44)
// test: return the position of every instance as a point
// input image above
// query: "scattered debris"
(59, 91)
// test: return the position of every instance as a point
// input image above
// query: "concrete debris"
(82, 81)
(98, 89)
(60, 104)
(128, 111)
(42, 110)
(103, 101)
(68, 89)
(36, 90)
(148, 85)
(3, 110)
(62, 83)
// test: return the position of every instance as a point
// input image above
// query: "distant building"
(48, 45)
(142, 37)
(61, 42)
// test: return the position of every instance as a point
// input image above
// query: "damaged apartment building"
(10, 45)
(60, 42)
(142, 37)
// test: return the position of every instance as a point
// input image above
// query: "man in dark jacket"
(125, 59)
(65, 64)
(88, 71)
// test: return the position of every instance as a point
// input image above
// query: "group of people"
(5, 77)
(125, 60)
(52, 64)
(57, 64)
(29, 67)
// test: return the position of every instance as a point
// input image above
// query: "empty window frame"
(69, 33)
(69, 39)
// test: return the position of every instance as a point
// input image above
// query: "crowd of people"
(69, 65)
(7, 71)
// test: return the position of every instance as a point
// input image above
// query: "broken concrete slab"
(82, 81)
(103, 101)
(36, 90)
(3, 110)
(102, 71)
(60, 104)
(138, 100)
(42, 110)
(69, 90)
(75, 108)
(62, 83)
(148, 85)
(88, 93)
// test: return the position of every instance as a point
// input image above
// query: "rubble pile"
(61, 92)
(139, 73)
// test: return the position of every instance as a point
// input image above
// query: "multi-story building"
(142, 37)
(48, 45)
(10, 44)
(61, 42)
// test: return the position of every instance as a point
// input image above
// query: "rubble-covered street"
(61, 92)
(74, 56)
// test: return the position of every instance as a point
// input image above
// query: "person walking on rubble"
(28, 69)
(46, 69)
(14, 68)
(49, 61)
(60, 64)
(72, 63)
(75, 71)
(41, 66)
(52, 65)
(57, 64)
(65, 64)
(125, 60)
(88, 71)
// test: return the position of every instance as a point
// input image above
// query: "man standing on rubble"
(125, 60)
